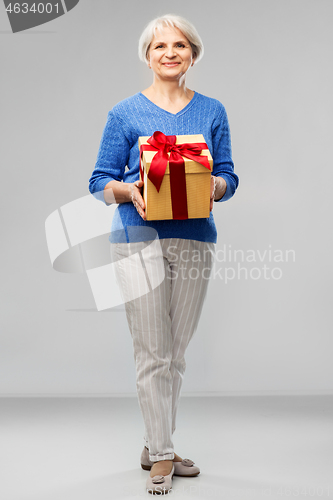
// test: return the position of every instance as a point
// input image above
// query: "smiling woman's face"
(170, 54)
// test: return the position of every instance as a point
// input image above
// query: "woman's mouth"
(170, 65)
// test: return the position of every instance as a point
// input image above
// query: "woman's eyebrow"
(178, 41)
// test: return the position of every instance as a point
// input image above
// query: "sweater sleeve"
(112, 157)
(223, 165)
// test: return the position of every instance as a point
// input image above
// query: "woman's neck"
(171, 96)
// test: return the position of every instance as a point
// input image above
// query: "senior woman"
(162, 320)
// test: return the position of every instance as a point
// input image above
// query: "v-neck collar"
(188, 105)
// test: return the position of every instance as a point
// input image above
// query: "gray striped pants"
(162, 322)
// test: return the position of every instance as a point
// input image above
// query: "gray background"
(269, 63)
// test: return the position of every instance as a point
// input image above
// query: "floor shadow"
(130, 484)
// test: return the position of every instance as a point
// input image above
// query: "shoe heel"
(145, 467)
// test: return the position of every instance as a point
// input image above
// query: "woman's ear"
(147, 56)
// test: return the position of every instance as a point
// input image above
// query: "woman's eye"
(177, 45)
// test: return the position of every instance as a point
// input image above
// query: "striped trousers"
(162, 323)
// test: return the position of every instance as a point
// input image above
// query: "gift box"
(176, 171)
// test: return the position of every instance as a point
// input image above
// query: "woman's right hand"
(136, 198)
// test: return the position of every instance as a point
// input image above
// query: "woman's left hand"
(218, 187)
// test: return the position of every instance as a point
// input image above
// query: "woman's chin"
(171, 75)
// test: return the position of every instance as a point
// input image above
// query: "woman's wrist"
(125, 192)
(117, 192)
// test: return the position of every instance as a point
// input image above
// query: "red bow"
(169, 151)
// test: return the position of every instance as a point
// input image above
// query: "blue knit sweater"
(136, 116)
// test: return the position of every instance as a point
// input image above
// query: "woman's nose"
(170, 52)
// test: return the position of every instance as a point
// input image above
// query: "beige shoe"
(160, 484)
(185, 468)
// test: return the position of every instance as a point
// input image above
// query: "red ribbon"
(169, 151)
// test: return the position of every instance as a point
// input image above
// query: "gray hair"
(174, 22)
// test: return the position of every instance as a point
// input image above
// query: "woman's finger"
(212, 186)
(212, 191)
(137, 199)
